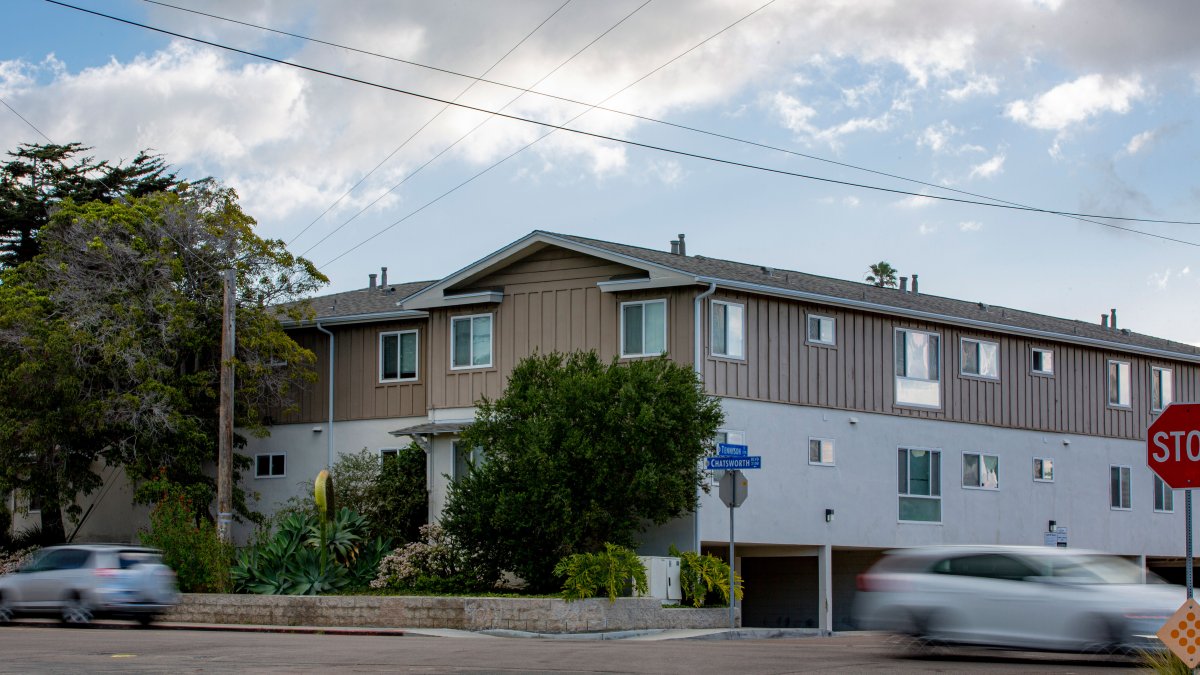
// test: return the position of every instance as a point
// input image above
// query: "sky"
(1076, 106)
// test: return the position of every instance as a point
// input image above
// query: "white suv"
(79, 582)
(1015, 596)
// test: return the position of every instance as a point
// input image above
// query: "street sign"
(1173, 446)
(734, 489)
(729, 463)
(733, 450)
(1181, 633)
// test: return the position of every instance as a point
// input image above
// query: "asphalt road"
(52, 649)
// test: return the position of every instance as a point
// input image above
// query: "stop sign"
(1173, 446)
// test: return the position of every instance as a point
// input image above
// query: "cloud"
(926, 229)
(936, 137)
(979, 85)
(1159, 280)
(851, 201)
(990, 168)
(798, 118)
(1139, 142)
(914, 202)
(1073, 102)
(970, 226)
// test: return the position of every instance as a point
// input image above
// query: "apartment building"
(884, 417)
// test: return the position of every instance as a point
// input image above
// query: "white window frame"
(1163, 495)
(820, 453)
(625, 353)
(717, 306)
(1048, 372)
(821, 318)
(471, 365)
(270, 465)
(933, 485)
(384, 453)
(733, 436)
(1124, 384)
(902, 381)
(978, 345)
(1124, 486)
(474, 458)
(1042, 478)
(1165, 395)
(980, 483)
(416, 355)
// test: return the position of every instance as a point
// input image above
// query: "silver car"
(79, 582)
(1015, 596)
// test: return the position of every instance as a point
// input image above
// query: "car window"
(987, 566)
(1095, 569)
(59, 559)
(127, 559)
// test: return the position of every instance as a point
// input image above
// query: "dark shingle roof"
(379, 300)
(857, 291)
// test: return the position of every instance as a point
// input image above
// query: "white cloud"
(970, 226)
(1140, 141)
(851, 201)
(856, 96)
(989, 168)
(1160, 280)
(925, 229)
(914, 202)
(936, 137)
(976, 86)
(1073, 102)
(798, 118)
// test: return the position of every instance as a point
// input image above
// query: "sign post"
(734, 490)
(1173, 452)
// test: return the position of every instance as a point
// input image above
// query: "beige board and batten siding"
(358, 393)
(858, 372)
(550, 303)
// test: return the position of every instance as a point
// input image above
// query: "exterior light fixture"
(1050, 527)
(829, 515)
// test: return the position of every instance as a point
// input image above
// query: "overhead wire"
(648, 146)
(645, 118)
(472, 83)
(481, 123)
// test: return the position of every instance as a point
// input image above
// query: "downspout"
(698, 364)
(329, 457)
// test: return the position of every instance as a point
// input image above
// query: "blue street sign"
(729, 463)
(733, 450)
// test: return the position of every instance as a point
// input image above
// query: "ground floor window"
(1118, 488)
(270, 465)
(920, 482)
(1164, 497)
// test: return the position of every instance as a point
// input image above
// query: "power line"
(645, 118)
(483, 122)
(400, 147)
(648, 146)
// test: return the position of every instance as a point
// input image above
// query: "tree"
(110, 342)
(882, 275)
(389, 491)
(577, 454)
(39, 177)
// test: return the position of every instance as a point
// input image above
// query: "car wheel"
(1103, 637)
(145, 619)
(75, 612)
(6, 610)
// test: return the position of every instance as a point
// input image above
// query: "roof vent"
(1104, 321)
(903, 284)
(383, 277)
(1125, 331)
(766, 270)
(372, 278)
(983, 306)
(914, 284)
(674, 247)
(1113, 322)
(682, 245)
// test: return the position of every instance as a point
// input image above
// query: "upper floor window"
(1161, 388)
(1118, 384)
(471, 341)
(979, 358)
(821, 330)
(918, 374)
(1164, 497)
(728, 329)
(398, 356)
(644, 328)
(820, 451)
(1043, 361)
(1118, 488)
(920, 480)
(980, 471)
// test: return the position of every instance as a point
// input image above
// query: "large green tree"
(577, 453)
(110, 341)
(36, 178)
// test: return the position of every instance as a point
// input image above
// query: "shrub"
(11, 562)
(1163, 662)
(189, 543)
(614, 570)
(703, 578)
(389, 492)
(435, 564)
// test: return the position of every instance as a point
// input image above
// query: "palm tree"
(882, 274)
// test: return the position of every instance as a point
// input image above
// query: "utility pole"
(225, 413)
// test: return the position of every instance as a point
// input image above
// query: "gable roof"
(663, 268)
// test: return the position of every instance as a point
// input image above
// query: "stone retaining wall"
(538, 615)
